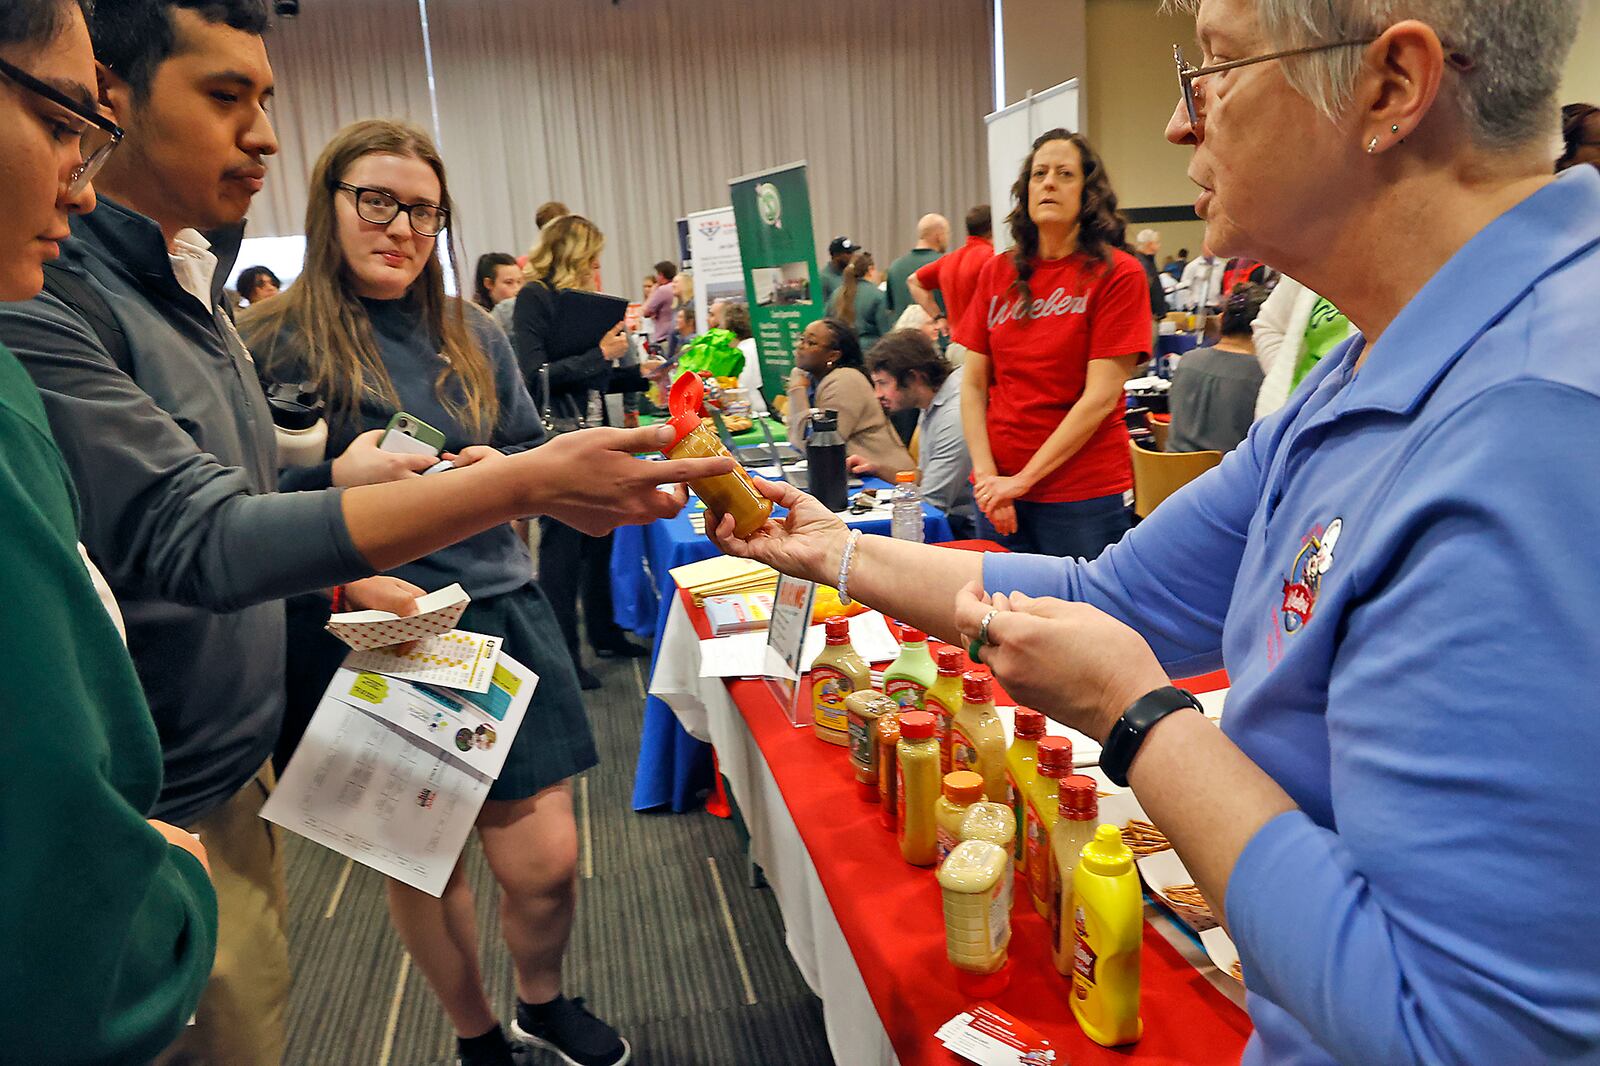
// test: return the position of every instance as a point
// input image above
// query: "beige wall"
(1045, 44)
(1583, 66)
(1129, 95)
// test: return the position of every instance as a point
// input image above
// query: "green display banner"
(772, 210)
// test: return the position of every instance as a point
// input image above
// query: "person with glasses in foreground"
(368, 327)
(110, 920)
(164, 426)
(1394, 820)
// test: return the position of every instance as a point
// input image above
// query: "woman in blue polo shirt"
(1393, 820)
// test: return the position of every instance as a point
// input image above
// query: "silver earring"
(1394, 129)
(1372, 146)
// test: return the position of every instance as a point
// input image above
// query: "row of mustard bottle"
(1001, 813)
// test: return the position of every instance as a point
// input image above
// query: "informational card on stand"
(393, 774)
(786, 643)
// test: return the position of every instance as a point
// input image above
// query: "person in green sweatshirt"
(110, 919)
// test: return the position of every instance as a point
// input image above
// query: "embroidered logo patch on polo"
(1304, 582)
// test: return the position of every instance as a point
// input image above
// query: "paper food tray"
(1163, 870)
(1219, 945)
(1160, 870)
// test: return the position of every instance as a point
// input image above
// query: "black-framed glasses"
(381, 208)
(95, 143)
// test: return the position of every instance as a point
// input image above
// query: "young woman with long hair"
(1054, 328)
(568, 257)
(368, 326)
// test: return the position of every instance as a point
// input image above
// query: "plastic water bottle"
(905, 508)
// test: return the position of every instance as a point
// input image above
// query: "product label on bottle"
(863, 746)
(963, 750)
(1037, 864)
(1083, 958)
(907, 693)
(1019, 854)
(1060, 915)
(947, 842)
(942, 718)
(900, 806)
(999, 918)
(829, 687)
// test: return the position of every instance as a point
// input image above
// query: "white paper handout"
(390, 802)
(745, 654)
(437, 612)
(382, 775)
(456, 659)
(473, 728)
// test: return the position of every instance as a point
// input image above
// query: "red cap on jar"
(1028, 723)
(984, 985)
(916, 725)
(684, 402)
(1055, 756)
(908, 635)
(948, 660)
(977, 686)
(1079, 799)
(838, 631)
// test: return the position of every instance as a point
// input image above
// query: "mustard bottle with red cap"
(1078, 815)
(1043, 804)
(943, 699)
(1022, 769)
(732, 493)
(917, 789)
(978, 738)
(838, 671)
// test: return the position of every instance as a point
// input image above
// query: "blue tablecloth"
(674, 767)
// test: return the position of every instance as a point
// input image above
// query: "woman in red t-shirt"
(1054, 328)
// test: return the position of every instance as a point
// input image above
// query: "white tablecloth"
(855, 1032)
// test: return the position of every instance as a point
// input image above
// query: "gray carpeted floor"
(671, 944)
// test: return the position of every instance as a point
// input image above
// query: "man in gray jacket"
(156, 406)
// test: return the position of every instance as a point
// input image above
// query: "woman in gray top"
(368, 327)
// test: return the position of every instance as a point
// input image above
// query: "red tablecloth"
(890, 914)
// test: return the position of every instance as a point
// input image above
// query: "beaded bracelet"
(844, 567)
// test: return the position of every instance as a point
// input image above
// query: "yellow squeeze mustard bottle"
(1075, 828)
(837, 672)
(1022, 767)
(863, 709)
(993, 822)
(912, 674)
(944, 700)
(978, 738)
(733, 493)
(1042, 804)
(1108, 923)
(977, 923)
(962, 788)
(917, 790)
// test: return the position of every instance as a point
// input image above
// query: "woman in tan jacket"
(829, 375)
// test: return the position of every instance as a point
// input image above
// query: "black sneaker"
(567, 1027)
(493, 1049)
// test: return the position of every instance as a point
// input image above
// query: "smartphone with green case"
(410, 434)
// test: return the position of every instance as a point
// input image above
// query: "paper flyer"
(456, 659)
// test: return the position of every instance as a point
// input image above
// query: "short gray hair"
(1146, 236)
(1518, 49)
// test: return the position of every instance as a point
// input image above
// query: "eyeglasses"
(95, 143)
(381, 208)
(1194, 98)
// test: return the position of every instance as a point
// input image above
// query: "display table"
(866, 930)
(674, 767)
